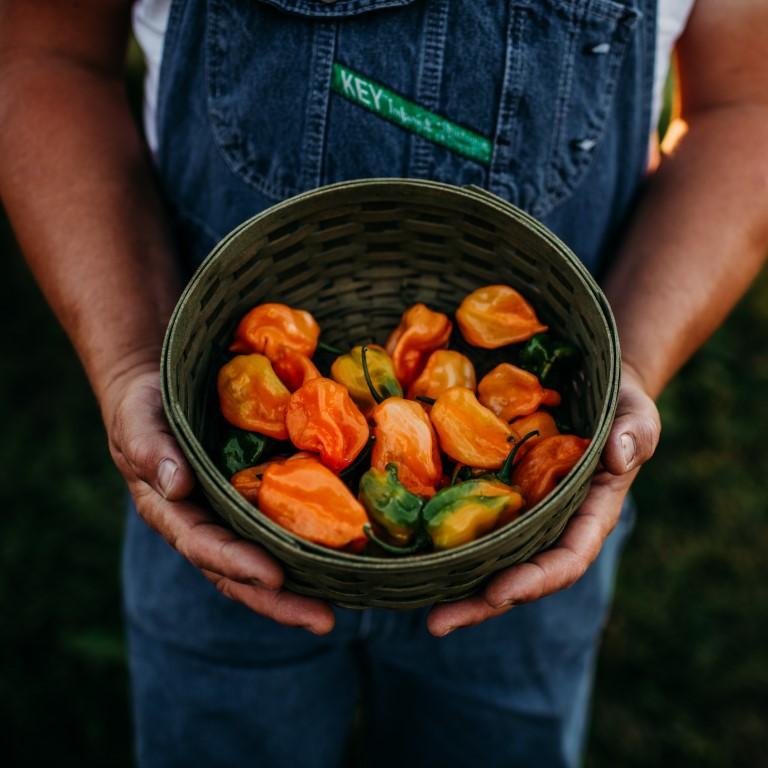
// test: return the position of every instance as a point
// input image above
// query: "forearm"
(76, 183)
(698, 238)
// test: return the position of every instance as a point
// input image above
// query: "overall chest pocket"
(564, 60)
(269, 70)
(534, 78)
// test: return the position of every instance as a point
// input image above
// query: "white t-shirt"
(150, 20)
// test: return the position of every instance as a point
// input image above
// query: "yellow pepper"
(348, 370)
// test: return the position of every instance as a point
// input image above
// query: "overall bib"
(546, 103)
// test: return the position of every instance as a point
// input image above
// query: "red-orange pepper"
(470, 433)
(421, 332)
(404, 436)
(511, 392)
(546, 463)
(322, 418)
(445, 368)
(293, 368)
(309, 500)
(497, 315)
(269, 326)
(247, 482)
(541, 422)
(252, 397)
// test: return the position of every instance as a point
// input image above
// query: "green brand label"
(389, 105)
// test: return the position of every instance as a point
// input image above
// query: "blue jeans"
(225, 687)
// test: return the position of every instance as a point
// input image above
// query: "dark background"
(683, 673)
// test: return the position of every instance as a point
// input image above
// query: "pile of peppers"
(397, 448)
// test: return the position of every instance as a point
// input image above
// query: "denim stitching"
(564, 88)
(429, 81)
(568, 178)
(507, 129)
(225, 135)
(339, 8)
(323, 51)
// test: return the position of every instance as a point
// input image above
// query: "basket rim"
(315, 553)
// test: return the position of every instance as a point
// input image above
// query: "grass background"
(683, 672)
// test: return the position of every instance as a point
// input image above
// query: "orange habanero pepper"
(247, 482)
(421, 332)
(495, 316)
(293, 368)
(541, 422)
(268, 326)
(546, 463)
(321, 417)
(511, 392)
(444, 369)
(252, 397)
(404, 436)
(309, 500)
(470, 433)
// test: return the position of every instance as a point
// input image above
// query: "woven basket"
(356, 255)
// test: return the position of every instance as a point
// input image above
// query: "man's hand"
(633, 439)
(160, 480)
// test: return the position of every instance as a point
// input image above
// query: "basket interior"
(356, 256)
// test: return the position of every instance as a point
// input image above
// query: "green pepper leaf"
(548, 358)
(243, 449)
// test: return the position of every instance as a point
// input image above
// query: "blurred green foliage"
(683, 673)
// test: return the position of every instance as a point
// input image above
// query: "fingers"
(548, 572)
(206, 544)
(284, 607)
(142, 445)
(636, 429)
(160, 479)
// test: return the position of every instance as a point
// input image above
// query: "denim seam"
(505, 138)
(323, 51)
(218, 120)
(564, 88)
(430, 80)
(335, 9)
(569, 178)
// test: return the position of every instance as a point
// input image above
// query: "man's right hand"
(160, 481)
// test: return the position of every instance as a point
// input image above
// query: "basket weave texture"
(355, 255)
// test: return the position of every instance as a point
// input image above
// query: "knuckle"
(139, 450)
(223, 585)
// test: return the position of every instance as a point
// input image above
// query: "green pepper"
(547, 358)
(243, 449)
(348, 370)
(463, 512)
(392, 507)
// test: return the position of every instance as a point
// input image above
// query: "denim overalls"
(544, 102)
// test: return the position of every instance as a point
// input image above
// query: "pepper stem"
(329, 348)
(505, 473)
(425, 399)
(417, 545)
(375, 394)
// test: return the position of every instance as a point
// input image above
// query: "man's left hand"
(632, 441)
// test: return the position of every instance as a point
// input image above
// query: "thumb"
(143, 446)
(636, 428)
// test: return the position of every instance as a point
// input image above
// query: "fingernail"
(504, 604)
(166, 472)
(446, 631)
(628, 448)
